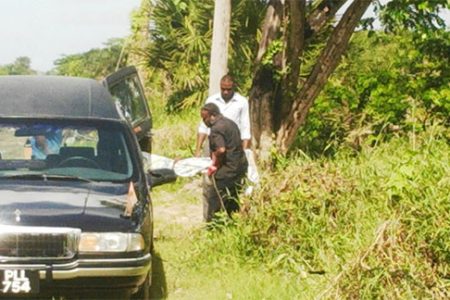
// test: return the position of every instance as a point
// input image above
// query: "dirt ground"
(181, 206)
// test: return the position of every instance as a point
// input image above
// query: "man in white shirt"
(233, 106)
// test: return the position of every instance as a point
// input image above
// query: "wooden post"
(219, 50)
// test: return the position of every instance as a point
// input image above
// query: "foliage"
(21, 66)
(95, 63)
(177, 48)
(420, 16)
(290, 95)
(386, 83)
(174, 136)
(246, 18)
(180, 42)
(371, 225)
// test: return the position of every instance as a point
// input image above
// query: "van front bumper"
(85, 275)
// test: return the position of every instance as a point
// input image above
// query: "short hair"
(227, 77)
(212, 108)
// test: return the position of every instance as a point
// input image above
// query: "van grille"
(38, 242)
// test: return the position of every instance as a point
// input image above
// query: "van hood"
(82, 205)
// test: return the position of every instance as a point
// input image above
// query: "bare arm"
(245, 144)
(217, 157)
(200, 140)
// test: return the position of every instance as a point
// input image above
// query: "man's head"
(209, 113)
(227, 87)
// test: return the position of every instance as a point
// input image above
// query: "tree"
(289, 76)
(95, 63)
(280, 105)
(385, 86)
(21, 66)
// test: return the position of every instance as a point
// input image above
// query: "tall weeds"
(375, 225)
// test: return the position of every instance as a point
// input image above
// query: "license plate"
(15, 281)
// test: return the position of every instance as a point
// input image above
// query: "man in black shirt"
(229, 164)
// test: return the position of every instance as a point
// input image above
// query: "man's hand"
(211, 170)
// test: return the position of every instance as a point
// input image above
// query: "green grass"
(186, 278)
(366, 225)
(175, 134)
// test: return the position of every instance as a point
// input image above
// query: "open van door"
(126, 89)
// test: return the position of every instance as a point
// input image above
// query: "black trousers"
(221, 195)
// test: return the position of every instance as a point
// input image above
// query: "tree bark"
(271, 26)
(219, 50)
(322, 70)
(263, 91)
(294, 50)
(296, 41)
(325, 11)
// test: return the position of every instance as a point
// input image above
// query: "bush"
(388, 84)
(376, 225)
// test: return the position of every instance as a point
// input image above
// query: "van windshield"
(93, 151)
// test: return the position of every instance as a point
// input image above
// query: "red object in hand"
(211, 170)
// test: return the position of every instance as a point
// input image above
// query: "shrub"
(376, 224)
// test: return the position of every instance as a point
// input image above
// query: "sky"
(45, 30)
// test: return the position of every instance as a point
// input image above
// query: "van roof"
(55, 97)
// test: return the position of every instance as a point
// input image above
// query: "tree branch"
(262, 92)
(294, 48)
(271, 26)
(296, 41)
(318, 77)
(324, 12)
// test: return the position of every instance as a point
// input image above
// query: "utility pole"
(219, 50)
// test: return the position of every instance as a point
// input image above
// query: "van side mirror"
(161, 176)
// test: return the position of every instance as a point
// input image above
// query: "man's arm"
(203, 132)
(217, 158)
(41, 143)
(198, 146)
(246, 144)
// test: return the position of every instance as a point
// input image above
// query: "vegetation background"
(359, 208)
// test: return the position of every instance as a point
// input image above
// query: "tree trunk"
(322, 70)
(219, 50)
(271, 27)
(294, 50)
(263, 91)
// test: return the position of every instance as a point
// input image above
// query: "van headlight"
(111, 242)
